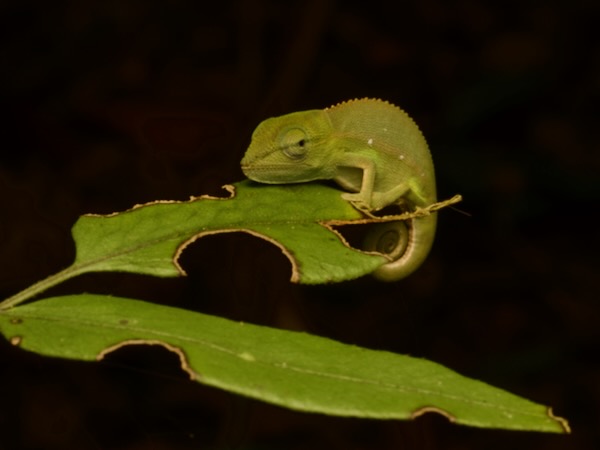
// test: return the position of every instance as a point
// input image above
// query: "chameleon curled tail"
(406, 243)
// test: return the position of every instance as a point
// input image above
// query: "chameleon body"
(369, 147)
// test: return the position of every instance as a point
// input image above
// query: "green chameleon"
(369, 147)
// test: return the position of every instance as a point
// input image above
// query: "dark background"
(111, 103)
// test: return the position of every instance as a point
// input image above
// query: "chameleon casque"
(370, 148)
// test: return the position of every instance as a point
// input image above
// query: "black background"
(111, 103)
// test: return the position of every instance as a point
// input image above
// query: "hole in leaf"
(354, 234)
(152, 360)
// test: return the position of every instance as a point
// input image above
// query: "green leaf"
(291, 369)
(149, 238)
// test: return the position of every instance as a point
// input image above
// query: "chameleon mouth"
(275, 173)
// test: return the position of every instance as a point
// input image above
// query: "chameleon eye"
(293, 143)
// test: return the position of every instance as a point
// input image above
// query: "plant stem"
(41, 286)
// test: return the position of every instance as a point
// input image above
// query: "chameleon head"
(289, 148)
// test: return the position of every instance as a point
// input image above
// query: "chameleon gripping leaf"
(373, 150)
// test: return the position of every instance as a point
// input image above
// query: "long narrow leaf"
(291, 369)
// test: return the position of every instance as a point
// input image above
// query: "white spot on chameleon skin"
(401, 157)
(370, 141)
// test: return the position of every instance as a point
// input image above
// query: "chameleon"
(374, 151)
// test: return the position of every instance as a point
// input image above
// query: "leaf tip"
(561, 421)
